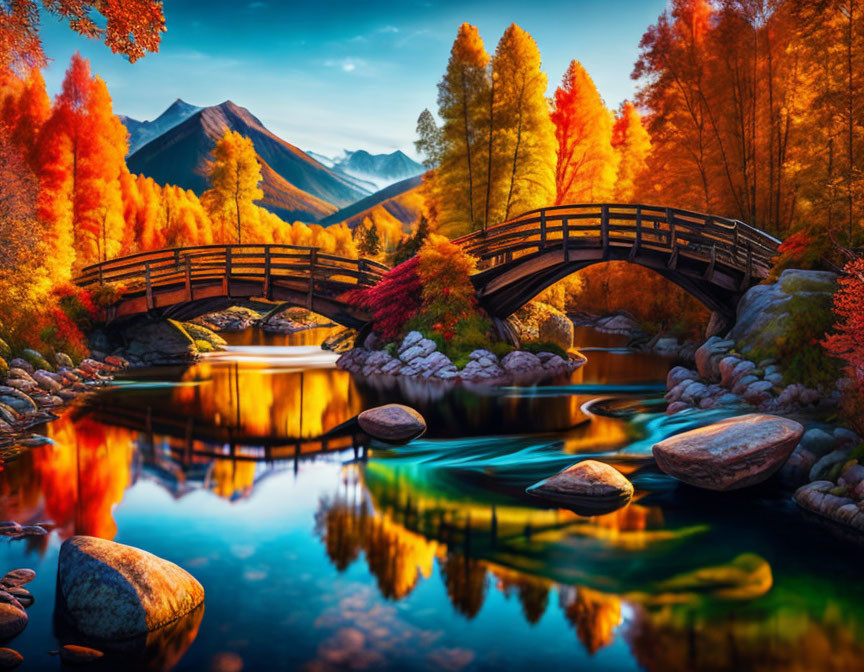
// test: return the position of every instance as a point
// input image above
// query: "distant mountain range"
(174, 149)
(391, 200)
(142, 132)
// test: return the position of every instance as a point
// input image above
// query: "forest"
(747, 109)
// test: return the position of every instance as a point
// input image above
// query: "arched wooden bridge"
(183, 283)
(713, 258)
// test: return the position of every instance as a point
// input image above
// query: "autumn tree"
(461, 97)
(429, 139)
(369, 242)
(523, 134)
(632, 144)
(81, 150)
(235, 175)
(586, 163)
(131, 27)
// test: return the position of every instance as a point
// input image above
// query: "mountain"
(400, 201)
(142, 132)
(295, 185)
(381, 170)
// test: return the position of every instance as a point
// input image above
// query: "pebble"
(79, 655)
(10, 528)
(24, 596)
(12, 620)
(8, 598)
(18, 577)
(10, 658)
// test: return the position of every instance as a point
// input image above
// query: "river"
(324, 554)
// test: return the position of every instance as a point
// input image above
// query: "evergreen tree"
(429, 139)
(412, 245)
(370, 241)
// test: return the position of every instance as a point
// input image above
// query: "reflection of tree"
(465, 579)
(396, 557)
(533, 592)
(594, 615)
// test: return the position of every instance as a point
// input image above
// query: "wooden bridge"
(714, 259)
(183, 283)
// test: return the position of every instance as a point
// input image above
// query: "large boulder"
(161, 342)
(107, 591)
(730, 454)
(557, 328)
(763, 312)
(393, 423)
(588, 486)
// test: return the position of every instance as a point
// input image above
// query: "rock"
(109, 591)
(478, 355)
(35, 359)
(18, 577)
(159, 341)
(20, 593)
(762, 315)
(46, 383)
(122, 363)
(852, 475)
(817, 441)
(18, 363)
(392, 423)
(520, 361)
(677, 407)
(694, 392)
(678, 374)
(666, 345)
(421, 348)
(708, 356)
(588, 485)
(825, 463)
(731, 454)
(79, 655)
(796, 471)
(411, 338)
(846, 436)
(620, 323)
(8, 598)
(9, 659)
(17, 400)
(9, 528)
(558, 329)
(758, 392)
(33, 531)
(718, 324)
(13, 620)
(818, 498)
(743, 383)
(63, 359)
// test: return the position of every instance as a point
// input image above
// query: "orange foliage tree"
(131, 27)
(586, 162)
(632, 144)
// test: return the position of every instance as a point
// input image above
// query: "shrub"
(847, 341)
(393, 301)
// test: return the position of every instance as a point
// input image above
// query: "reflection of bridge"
(714, 259)
(183, 283)
(197, 440)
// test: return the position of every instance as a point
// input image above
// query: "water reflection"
(420, 556)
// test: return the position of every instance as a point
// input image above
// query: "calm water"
(428, 556)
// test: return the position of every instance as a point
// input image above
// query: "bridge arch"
(713, 258)
(183, 283)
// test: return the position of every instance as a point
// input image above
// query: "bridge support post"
(604, 230)
(188, 279)
(226, 280)
(149, 287)
(267, 272)
(313, 260)
(565, 235)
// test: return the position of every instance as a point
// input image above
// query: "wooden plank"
(267, 273)
(149, 288)
(604, 229)
(188, 279)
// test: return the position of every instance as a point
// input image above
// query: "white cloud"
(348, 67)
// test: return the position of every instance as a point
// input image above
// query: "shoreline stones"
(419, 357)
(393, 423)
(730, 454)
(9, 658)
(588, 487)
(109, 592)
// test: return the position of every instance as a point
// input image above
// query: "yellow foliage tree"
(633, 145)
(234, 174)
(523, 135)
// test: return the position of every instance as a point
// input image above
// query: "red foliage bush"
(393, 301)
(847, 341)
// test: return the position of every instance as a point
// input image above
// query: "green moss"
(204, 346)
(5, 350)
(36, 359)
(538, 346)
(199, 333)
(499, 349)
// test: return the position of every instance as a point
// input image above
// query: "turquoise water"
(333, 555)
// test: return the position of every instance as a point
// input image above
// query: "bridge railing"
(191, 265)
(639, 227)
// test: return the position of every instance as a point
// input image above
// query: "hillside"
(295, 184)
(400, 202)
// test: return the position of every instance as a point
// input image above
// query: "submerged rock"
(826, 499)
(9, 659)
(589, 487)
(731, 454)
(109, 591)
(79, 655)
(393, 423)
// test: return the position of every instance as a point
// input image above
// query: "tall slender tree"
(632, 144)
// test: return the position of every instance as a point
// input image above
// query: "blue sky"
(327, 75)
